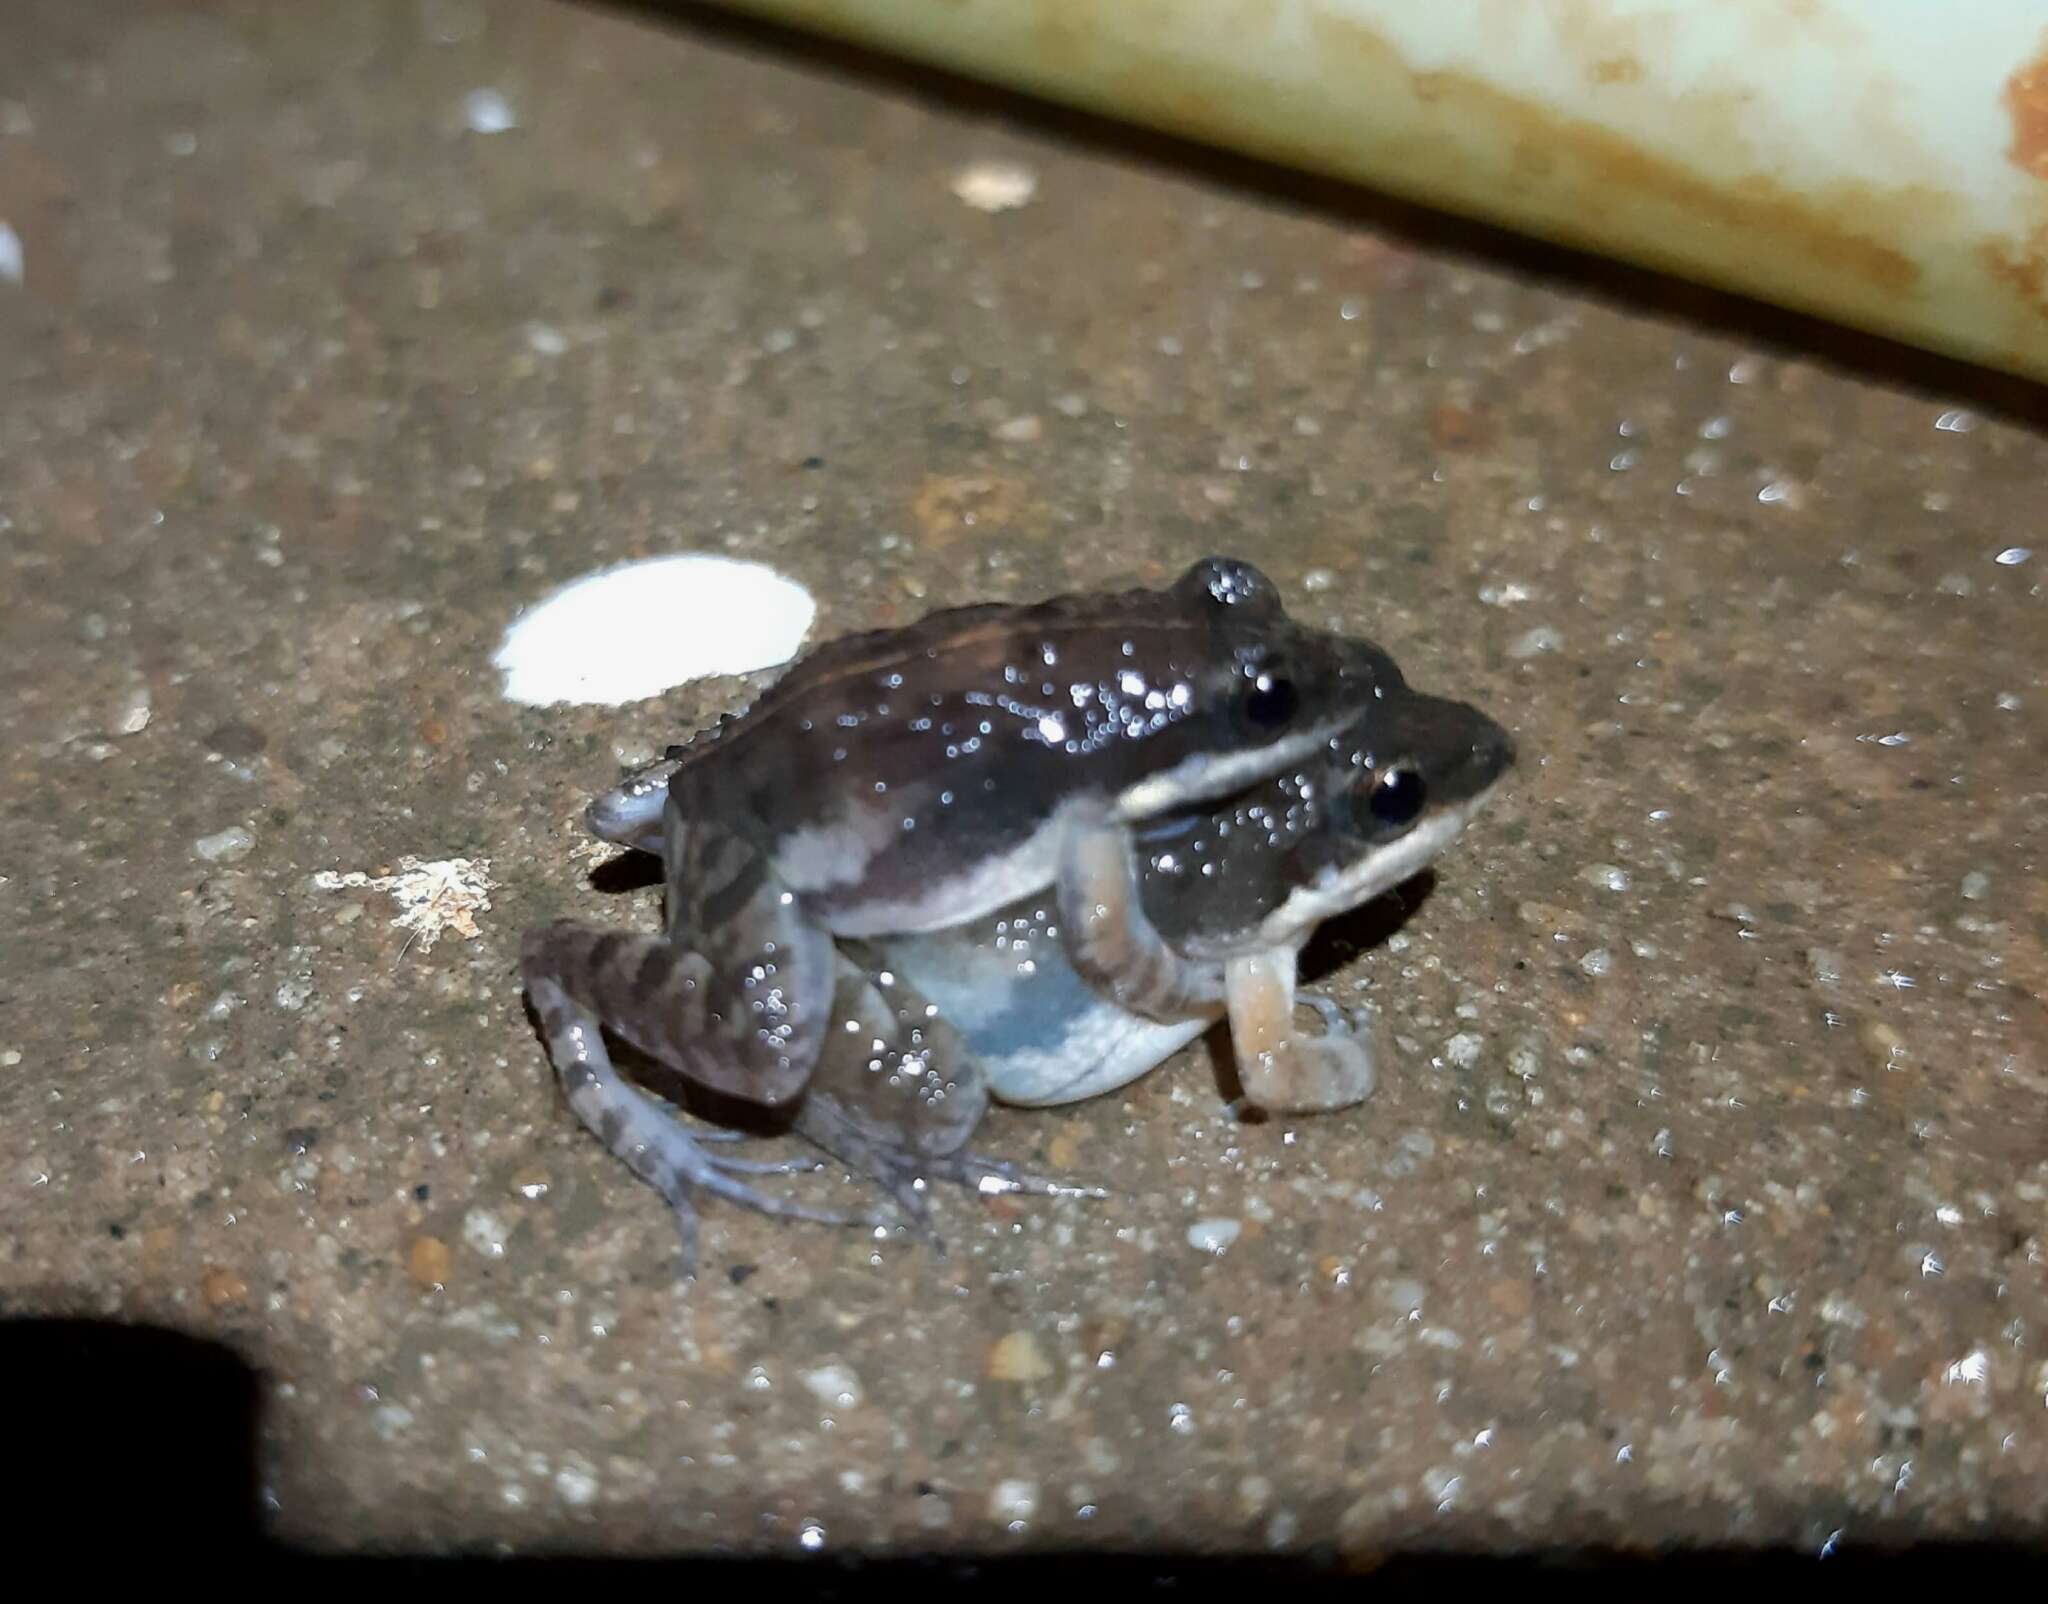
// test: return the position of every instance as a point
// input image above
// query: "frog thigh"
(688, 1013)
(764, 1002)
(574, 974)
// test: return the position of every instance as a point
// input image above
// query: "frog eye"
(1397, 796)
(1270, 700)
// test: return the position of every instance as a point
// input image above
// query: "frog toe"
(992, 1177)
(763, 1166)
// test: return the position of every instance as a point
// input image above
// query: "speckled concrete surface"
(1707, 1195)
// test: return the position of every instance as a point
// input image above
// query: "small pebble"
(1020, 431)
(222, 1288)
(485, 1233)
(1535, 642)
(429, 1262)
(1883, 1043)
(576, 1485)
(488, 112)
(1017, 1357)
(1824, 964)
(1975, 884)
(995, 186)
(1214, 1236)
(1404, 1296)
(229, 846)
(132, 717)
(834, 1385)
(1013, 1498)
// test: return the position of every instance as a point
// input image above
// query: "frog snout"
(1493, 753)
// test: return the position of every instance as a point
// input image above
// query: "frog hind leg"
(896, 1096)
(1107, 937)
(582, 977)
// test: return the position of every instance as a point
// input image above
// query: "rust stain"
(1616, 70)
(2026, 102)
(947, 506)
(2022, 265)
(1562, 155)
(1565, 177)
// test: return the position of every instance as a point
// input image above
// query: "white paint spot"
(995, 186)
(488, 112)
(433, 898)
(634, 631)
(12, 264)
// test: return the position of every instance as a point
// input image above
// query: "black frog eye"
(1397, 796)
(1270, 700)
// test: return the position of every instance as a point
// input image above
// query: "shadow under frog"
(1021, 852)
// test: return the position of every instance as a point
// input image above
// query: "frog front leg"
(1281, 1070)
(1113, 945)
(1108, 937)
(583, 979)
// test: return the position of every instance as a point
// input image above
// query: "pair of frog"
(1021, 851)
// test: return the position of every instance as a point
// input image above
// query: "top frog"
(912, 781)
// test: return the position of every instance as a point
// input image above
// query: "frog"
(1232, 890)
(908, 784)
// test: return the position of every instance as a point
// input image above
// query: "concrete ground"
(1706, 1195)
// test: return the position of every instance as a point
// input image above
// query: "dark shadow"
(1573, 272)
(629, 871)
(1180, 1575)
(1339, 941)
(135, 1447)
(128, 1440)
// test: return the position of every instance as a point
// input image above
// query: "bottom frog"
(1193, 917)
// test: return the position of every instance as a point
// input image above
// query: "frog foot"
(656, 1147)
(908, 1175)
(1281, 1071)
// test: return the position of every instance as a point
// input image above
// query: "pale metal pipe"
(1883, 163)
